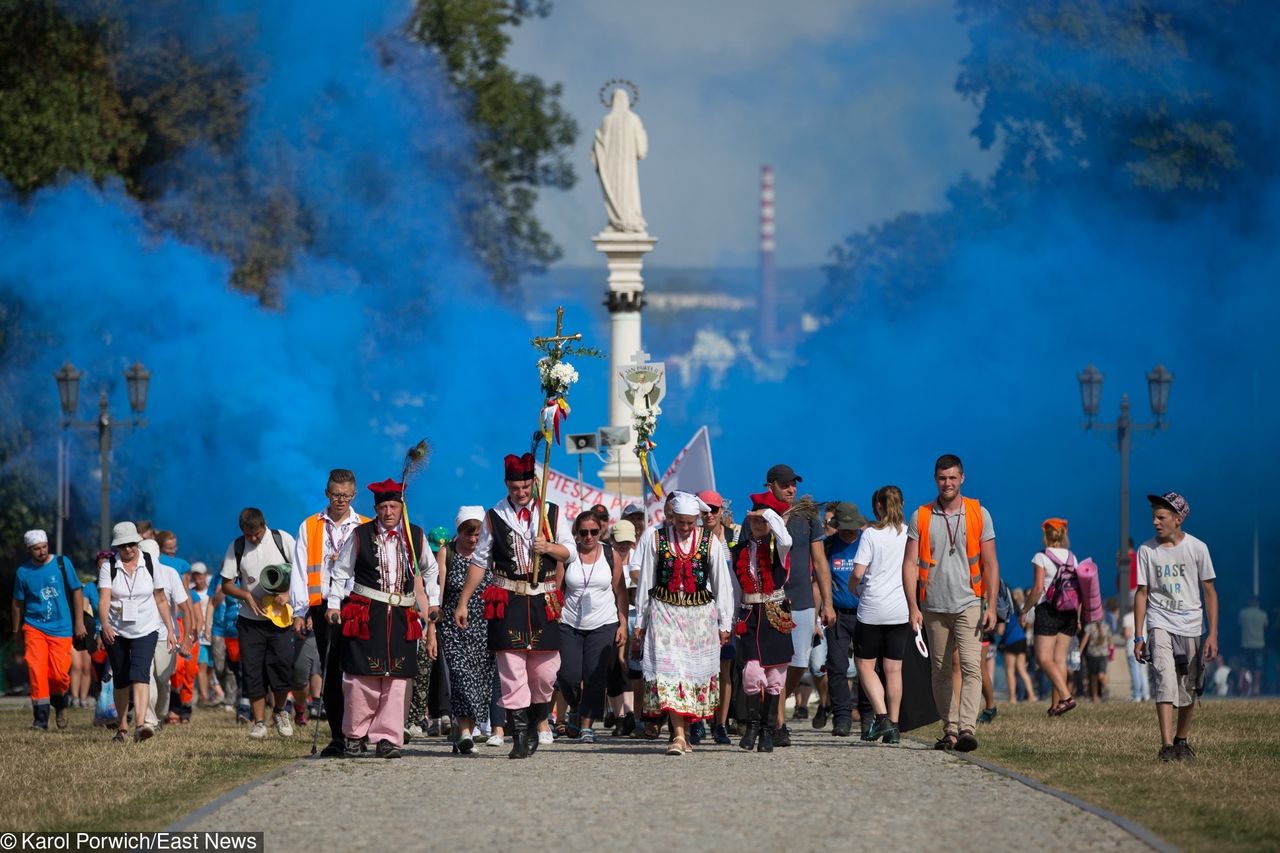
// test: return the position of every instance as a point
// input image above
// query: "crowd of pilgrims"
(517, 625)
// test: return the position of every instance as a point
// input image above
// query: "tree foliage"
(1148, 104)
(521, 132)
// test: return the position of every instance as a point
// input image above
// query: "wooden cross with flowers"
(556, 376)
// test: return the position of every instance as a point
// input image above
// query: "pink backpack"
(1063, 593)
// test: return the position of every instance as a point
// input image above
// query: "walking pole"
(324, 669)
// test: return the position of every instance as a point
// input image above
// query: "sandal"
(946, 742)
(1065, 705)
(966, 742)
(122, 735)
(678, 747)
(651, 731)
(561, 730)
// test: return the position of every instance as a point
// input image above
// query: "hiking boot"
(966, 742)
(258, 731)
(433, 728)
(283, 726)
(628, 727)
(60, 717)
(721, 735)
(800, 713)
(351, 747)
(386, 749)
(1182, 751)
(842, 728)
(820, 718)
(697, 732)
(876, 730)
(40, 717)
(782, 737)
(333, 749)
(987, 715)
(1168, 753)
(892, 735)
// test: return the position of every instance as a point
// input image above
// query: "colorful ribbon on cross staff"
(554, 411)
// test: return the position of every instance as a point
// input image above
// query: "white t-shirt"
(255, 559)
(1062, 555)
(168, 579)
(880, 597)
(133, 611)
(1172, 576)
(588, 593)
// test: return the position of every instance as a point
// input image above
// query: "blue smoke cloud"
(385, 325)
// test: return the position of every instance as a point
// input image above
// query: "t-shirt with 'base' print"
(1172, 576)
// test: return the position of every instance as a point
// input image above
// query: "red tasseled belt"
(355, 620)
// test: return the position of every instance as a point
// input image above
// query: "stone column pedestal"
(624, 253)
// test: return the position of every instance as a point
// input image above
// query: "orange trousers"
(48, 663)
(184, 676)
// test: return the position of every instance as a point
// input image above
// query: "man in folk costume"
(761, 564)
(684, 610)
(392, 585)
(522, 610)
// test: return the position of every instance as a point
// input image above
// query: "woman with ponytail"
(883, 629)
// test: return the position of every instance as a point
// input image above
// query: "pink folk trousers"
(526, 677)
(374, 707)
(767, 678)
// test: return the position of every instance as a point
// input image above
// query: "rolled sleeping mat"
(274, 580)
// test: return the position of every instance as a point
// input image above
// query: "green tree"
(522, 133)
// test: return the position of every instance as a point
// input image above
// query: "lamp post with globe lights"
(1159, 381)
(137, 381)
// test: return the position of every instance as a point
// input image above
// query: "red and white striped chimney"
(768, 300)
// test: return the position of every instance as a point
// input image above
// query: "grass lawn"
(1228, 799)
(77, 779)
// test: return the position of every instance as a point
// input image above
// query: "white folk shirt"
(342, 573)
(782, 547)
(718, 577)
(505, 510)
(336, 534)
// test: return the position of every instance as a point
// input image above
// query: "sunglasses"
(715, 510)
(589, 531)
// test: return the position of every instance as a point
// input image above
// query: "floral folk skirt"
(681, 660)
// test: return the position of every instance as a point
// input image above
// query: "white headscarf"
(34, 537)
(683, 503)
(468, 513)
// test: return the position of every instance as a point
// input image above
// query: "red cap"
(711, 497)
(766, 499)
(518, 468)
(387, 490)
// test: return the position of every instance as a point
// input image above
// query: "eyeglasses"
(589, 531)
(715, 510)
(340, 498)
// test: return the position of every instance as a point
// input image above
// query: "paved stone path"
(822, 793)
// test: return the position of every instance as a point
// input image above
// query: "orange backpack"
(972, 541)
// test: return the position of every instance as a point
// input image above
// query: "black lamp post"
(137, 379)
(1159, 381)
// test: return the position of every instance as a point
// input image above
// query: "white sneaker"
(259, 731)
(283, 725)
(415, 730)
(546, 738)
(495, 740)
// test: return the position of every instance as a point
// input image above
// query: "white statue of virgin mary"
(620, 145)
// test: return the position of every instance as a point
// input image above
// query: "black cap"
(783, 474)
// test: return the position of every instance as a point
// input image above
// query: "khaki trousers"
(948, 632)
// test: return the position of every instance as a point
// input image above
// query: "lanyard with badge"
(129, 606)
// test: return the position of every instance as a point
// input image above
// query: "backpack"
(1063, 594)
(275, 536)
(90, 642)
(146, 558)
(1004, 602)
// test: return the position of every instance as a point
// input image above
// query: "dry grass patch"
(77, 779)
(1106, 754)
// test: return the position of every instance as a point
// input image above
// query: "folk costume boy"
(522, 611)
(394, 582)
(761, 562)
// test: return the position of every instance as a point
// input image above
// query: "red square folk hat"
(387, 490)
(518, 468)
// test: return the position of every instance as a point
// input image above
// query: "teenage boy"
(1175, 573)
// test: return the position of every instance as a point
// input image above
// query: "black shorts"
(1095, 664)
(871, 642)
(1018, 648)
(1051, 623)
(266, 656)
(131, 659)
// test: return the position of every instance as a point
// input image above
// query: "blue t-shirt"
(178, 564)
(840, 555)
(90, 590)
(44, 596)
